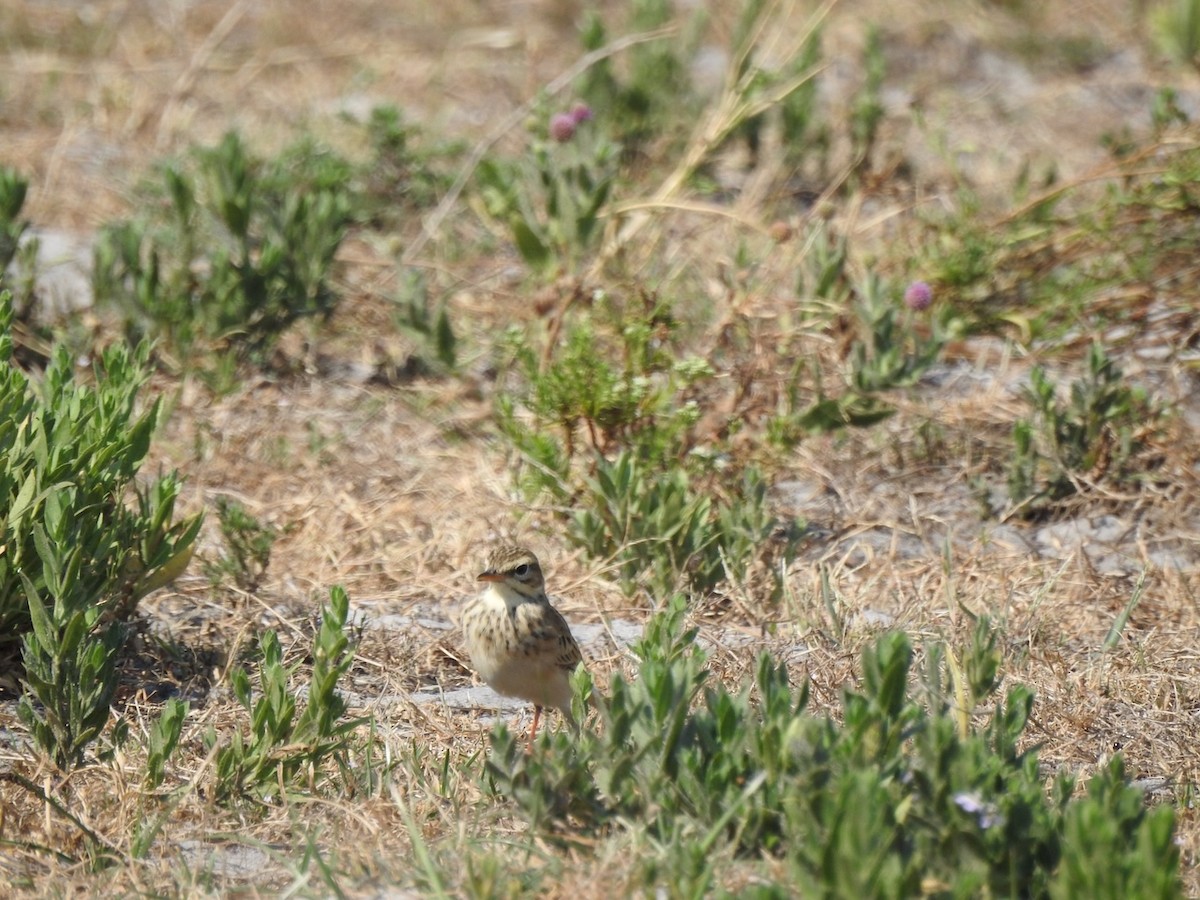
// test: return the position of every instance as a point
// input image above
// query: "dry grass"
(393, 491)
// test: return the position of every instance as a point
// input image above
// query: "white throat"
(500, 593)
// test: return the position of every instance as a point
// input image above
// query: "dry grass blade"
(1118, 627)
(53, 803)
(187, 78)
(732, 107)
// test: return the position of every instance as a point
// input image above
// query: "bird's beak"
(490, 576)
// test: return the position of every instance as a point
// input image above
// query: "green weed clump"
(13, 187)
(409, 169)
(286, 746)
(248, 546)
(654, 92)
(1177, 28)
(293, 741)
(1070, 444)
(551, 198)
(428, 325)
(610, 434)
(16, 249)
(612, 381)
(238, 251)
(895, 342)
(913, 785)
(662, 531)
(83, 540)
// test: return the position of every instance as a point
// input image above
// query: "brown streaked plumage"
(518, 643)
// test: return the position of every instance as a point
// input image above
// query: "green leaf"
(43, 628)
(531, 247)
(22, 502)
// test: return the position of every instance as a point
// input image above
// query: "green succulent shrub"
(922, 779)
(289, 742)
(238, 251)
(83, 538)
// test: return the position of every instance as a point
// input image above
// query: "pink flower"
(562, 127)
(581, 113)
(918, 296)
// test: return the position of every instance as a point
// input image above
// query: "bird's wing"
(551, 636)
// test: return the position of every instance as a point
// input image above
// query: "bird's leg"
(537, 714)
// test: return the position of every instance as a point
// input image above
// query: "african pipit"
(518, 643)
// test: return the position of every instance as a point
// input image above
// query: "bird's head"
(516, 568)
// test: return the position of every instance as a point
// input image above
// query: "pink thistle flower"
(918, 296)
(562, 127)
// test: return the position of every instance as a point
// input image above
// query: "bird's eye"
(522, 570)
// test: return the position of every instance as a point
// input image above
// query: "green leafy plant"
(248, 547)
(612, 439)
(1166, 110)
(1177, 26)
(896, 344)
(407, 171)
(965, 252)
(654, 525)
(13, 188)
(886, 799)
(18, 250)
(432, 330)
(164, 739)
(867, 111)
(822, 275)
(613, 381)
(663, 534)
(1100, 859)
(1091, 436)
(891, 353)
(551, 199)
(282, 746)
(82, 541)
(70, 663)
(826, 414)
(269, 233)
(653, 92)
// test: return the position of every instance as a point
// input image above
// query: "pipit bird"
(518, 643)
